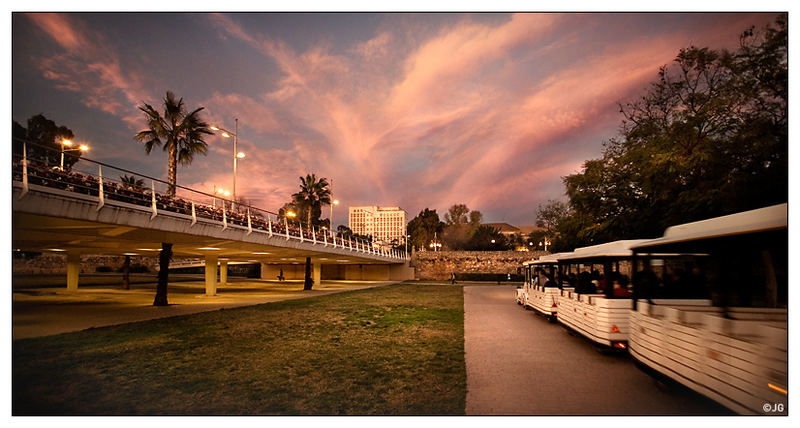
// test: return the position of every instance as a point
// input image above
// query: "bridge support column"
(223, 272)
(317, 273)
(73, 270)
(211, 275)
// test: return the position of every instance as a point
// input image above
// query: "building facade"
(383, 223)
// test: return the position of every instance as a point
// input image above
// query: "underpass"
(47, 311)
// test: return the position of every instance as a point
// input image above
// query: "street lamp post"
(292, 215)
(68, 143)
(435, 244)
(335, 202)
(545, 243)
(236, 153)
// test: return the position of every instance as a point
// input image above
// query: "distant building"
(504, 228)
(507, 229)
(527, 230)
(523, 231)
(383, 223)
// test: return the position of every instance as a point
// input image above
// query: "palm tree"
(180, 132)
(312, 196)
(132, 182)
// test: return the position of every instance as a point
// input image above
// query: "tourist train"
(705, 305)
(597, 303)
(541, 288)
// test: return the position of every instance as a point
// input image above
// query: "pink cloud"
(460, 100)
(89, 66)
(375, 48)
(253, 113)
(466, 114)
(437, 67)
(59, 29)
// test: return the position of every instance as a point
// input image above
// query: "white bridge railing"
(37, 170)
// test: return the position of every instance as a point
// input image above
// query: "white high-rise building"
(383, 223)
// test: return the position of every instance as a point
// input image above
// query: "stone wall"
(440, 264)
(49, 263)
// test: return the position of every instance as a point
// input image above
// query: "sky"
(396, 109)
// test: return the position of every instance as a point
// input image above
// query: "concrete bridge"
(73, 213)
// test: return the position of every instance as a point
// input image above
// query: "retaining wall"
(440, 264)
(48, 263)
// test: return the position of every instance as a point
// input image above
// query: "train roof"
(609, 249)
(549, 258)
(754, 221)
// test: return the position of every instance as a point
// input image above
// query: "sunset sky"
(409, 110)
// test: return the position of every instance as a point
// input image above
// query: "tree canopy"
(424, 227)
(487, 238)
(460, 226)
(709, 137)
(461, 230)
(44, 132)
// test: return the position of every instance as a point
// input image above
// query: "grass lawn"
(395, 350)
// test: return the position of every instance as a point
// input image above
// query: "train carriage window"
(739, 271)
(752, 274)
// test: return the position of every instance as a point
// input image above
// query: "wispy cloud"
(90, 67)
(491, 113)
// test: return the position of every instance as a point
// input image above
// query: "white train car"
(597, 304)
(546, 281)
(715, 320)
(521, 292)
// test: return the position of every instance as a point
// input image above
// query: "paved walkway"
(47, 311)
(520, 364)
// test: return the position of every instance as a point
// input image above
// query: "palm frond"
(176, 131)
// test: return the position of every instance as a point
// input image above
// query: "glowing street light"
(435, 244)
(68, 143)
(335, 202)
(236, 153)
(221, 192)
